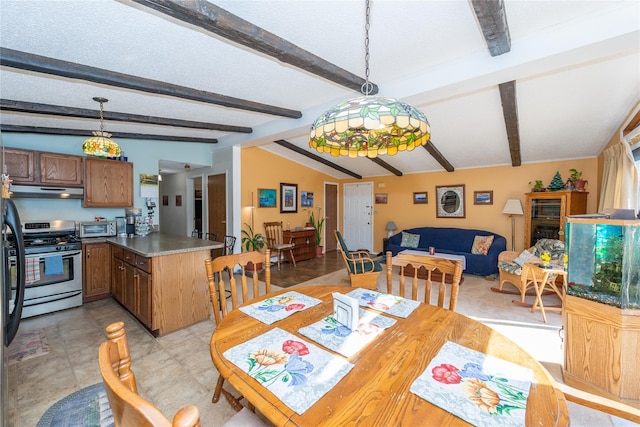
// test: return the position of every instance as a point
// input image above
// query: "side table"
(540, 277)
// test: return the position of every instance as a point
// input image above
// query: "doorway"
(358, 215)
(217, 207)
(331, 215)
(198, 226)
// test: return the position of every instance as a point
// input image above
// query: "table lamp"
(391, 227)
(511, 208)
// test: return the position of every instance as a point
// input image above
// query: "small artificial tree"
(556, 183)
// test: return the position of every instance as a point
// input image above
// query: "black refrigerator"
(12, 297)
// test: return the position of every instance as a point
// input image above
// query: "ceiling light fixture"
(369, 125)
(100, 144)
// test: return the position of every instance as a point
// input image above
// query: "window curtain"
(620, 179)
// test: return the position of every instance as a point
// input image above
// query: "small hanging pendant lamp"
(100, 144)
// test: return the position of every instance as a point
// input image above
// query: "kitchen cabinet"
(132, 284)
(29, 167)
(545, 213)
(96, 271)
(304, 244)
(107, 184)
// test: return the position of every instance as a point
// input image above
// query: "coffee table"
(408, 271)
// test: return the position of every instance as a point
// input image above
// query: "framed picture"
(381, 198)
(450, 201)
(267, 198)
(483, 197)
(306, 199)
(288, 198)
(420, 198)
(178, 200)
(165, 200)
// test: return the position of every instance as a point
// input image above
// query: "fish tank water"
(604, 260)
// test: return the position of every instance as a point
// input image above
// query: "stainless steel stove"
(53, 255)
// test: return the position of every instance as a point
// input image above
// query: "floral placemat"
(481, 389)
(337, 337)
(386, 303)
(277, 308)
(297, 372)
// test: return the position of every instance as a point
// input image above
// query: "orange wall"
(261, 169)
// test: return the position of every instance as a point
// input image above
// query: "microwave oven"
(97, 229)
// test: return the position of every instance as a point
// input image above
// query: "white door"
(358, 216)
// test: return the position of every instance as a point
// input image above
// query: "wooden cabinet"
(96, 271)
(132, 284)
(29, 167)
(108, 184)
(545, 214)
(304, 244)
(60, 169)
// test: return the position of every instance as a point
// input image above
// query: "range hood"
(39, 192)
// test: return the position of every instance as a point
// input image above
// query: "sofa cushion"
(410, 240)
(481, 245)
(554, 247)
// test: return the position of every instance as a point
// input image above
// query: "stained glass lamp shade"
(100, 144)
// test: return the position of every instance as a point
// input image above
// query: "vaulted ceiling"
(501, 82)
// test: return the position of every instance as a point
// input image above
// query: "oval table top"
(376, 391)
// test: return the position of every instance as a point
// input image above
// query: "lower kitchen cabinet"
(132, 284)
(96, 271)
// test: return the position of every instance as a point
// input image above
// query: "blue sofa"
(456, 241)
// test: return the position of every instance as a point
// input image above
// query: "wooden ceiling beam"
(493, 22)
(510, 113)
(438, 156)
(216, 20)
(115, 135)
(315, 157)
(59, 110)
(387, 166)
(42, 64)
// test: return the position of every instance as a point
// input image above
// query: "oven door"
(53, 281)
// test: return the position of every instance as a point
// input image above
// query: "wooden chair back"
(221, 284)
(127, 407)
(444, 272)
(273, 233)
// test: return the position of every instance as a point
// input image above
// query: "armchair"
(512, 265)
(363, 271)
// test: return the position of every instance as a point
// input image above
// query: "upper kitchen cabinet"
(21, 165)
(60, 169)
(29, 167)
(107, 184)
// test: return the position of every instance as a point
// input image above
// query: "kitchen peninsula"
(160, 278)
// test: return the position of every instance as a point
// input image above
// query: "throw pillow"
(523, 257)
(481, 245)
(410, 240)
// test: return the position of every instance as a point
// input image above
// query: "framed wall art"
(306, 199)
(267, 198)
(483, 197)
(381, 198)
(165, 200)
(178, 200)
(420, 198)
(288, 198)
(450, 201)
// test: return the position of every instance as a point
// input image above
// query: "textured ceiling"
(576, 66)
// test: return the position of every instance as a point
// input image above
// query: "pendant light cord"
(366, 86)
(101, 120)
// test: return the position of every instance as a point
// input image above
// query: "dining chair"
(220, 284)
(229, 244)
(127, 407)
(211, 236)
(197, 234)
(442, 271)
(275, 240)
(363, 270)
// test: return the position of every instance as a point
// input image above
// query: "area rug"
(27, 345)
(87, 407)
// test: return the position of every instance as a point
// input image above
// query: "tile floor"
(176, 369)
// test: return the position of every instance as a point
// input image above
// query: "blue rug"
(87, 407)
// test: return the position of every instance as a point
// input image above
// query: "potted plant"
(576, 179)
(318, 226)
(537, 186)
(252, 242)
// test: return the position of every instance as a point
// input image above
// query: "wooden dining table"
(376, 391)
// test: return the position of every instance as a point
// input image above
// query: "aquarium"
(604, 260)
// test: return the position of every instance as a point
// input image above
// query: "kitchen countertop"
(159, 244)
